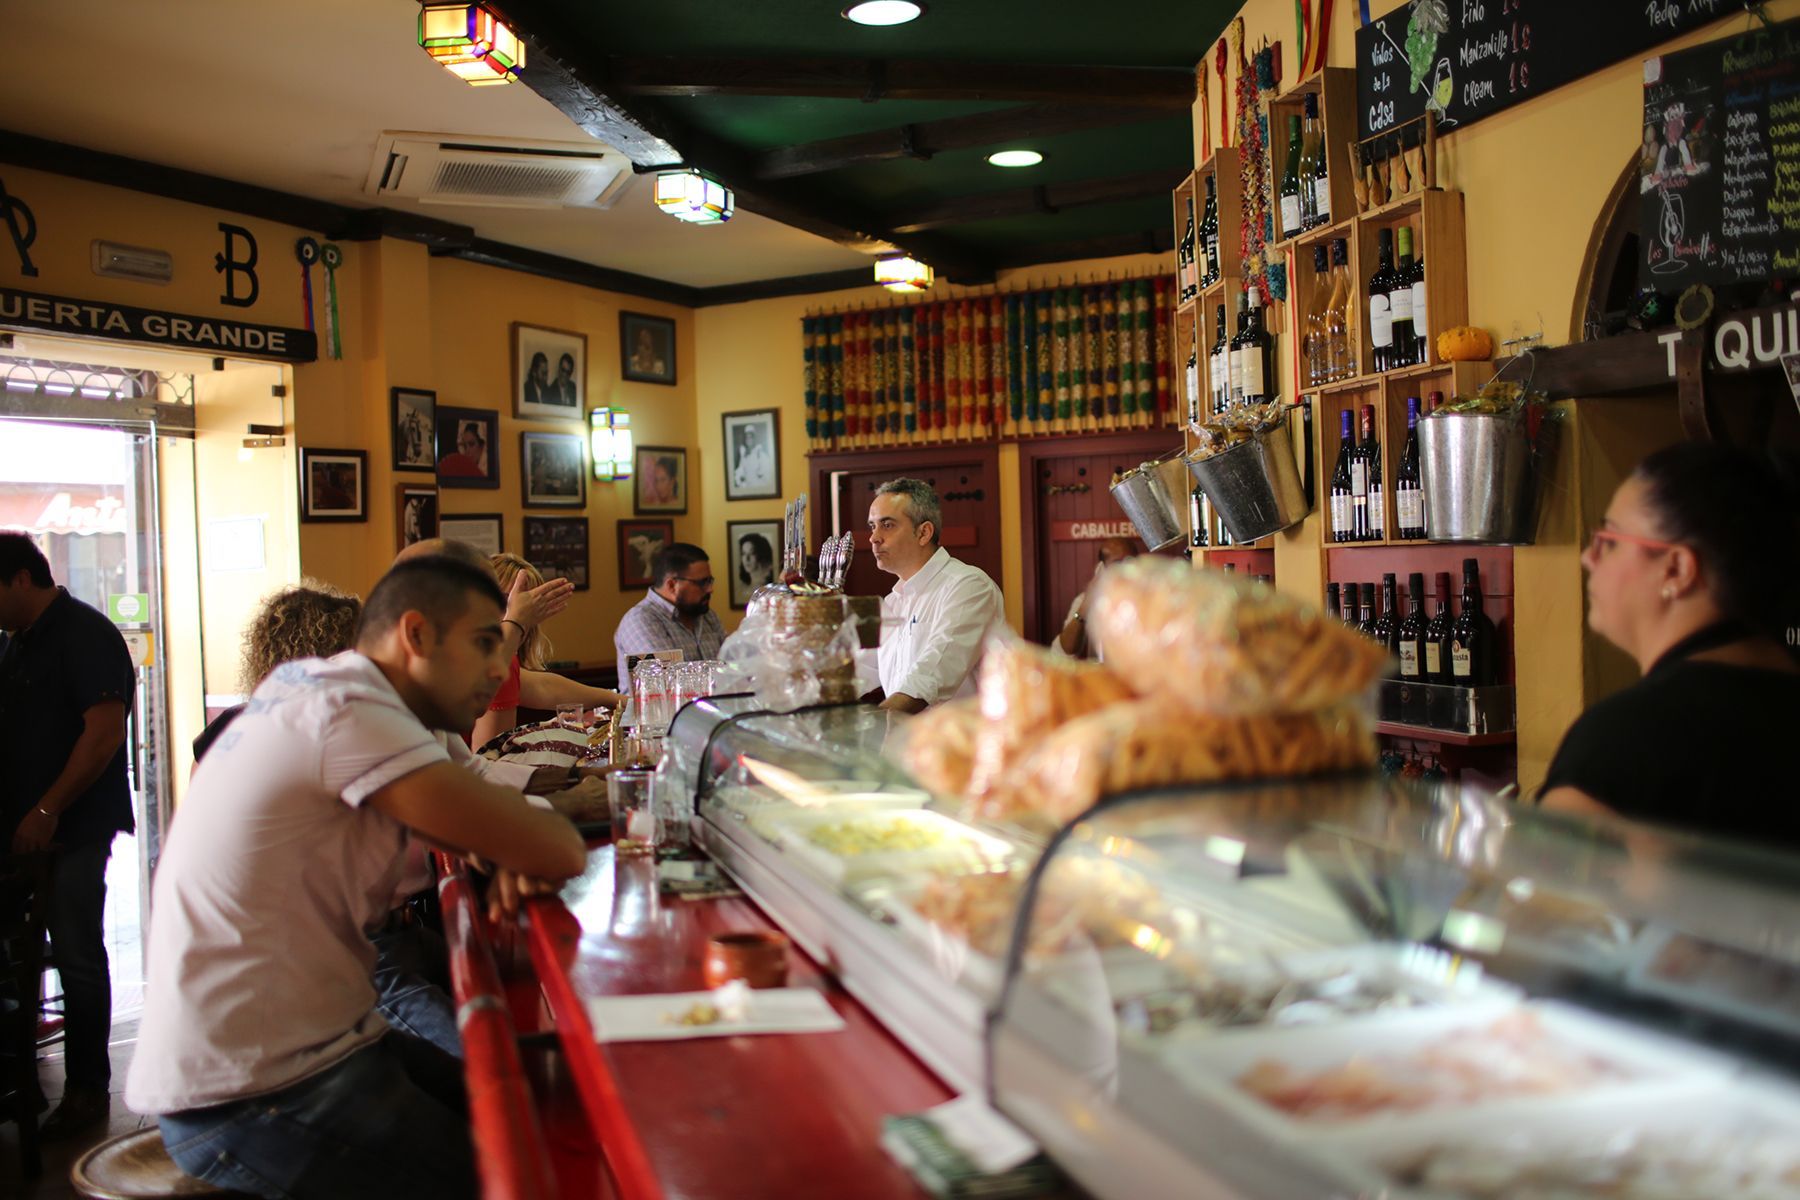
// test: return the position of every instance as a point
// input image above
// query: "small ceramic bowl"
(758, 958)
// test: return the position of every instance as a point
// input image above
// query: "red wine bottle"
(1409, 493)
(1343, 493)
(1472, 635)
(1410, 645)
(1437, 633)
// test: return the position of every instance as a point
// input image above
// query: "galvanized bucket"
(1479, 478)
(1153, 496)
(1254, 486)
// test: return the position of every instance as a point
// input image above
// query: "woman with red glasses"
(1695, 573)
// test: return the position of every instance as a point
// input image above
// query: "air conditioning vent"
(458, 169)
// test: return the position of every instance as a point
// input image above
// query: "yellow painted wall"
(750, 357)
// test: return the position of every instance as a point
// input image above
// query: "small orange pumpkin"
(1465, 343)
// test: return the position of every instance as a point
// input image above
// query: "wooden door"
(1069, 510)
(967, 484)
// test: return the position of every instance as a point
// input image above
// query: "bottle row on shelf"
(1241, 369)
(1305, 187)
(1198, 263)
(1457, 649)
(1358, 508)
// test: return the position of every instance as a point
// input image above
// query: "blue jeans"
(410, 963)
(389, 1122)
(76, 919)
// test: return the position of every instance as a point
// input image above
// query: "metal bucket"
(1254, 486)
(1153, 496)
(1479, 482)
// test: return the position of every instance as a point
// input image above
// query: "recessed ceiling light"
(883, 12)
(1015, 158)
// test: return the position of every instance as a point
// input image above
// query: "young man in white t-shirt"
(261, 1048)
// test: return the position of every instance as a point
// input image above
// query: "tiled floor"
(53, 1184)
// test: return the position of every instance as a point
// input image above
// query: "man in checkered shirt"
(676, 614)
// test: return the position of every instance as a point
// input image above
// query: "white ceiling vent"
(496, 173)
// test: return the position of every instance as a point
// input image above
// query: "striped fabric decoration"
(1110, 321)
(1165, 390)
(1061, 351)
(1015, 361)
(809, 331)
(909, 394)
(1095, 373)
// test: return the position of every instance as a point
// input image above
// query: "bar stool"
(135, 1166)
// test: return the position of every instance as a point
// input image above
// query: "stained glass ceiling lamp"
(901, 273)
(883, 12)
(471, 43)
(694, 197)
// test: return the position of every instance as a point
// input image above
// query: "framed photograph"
(659, 480)
(484, 531)
(755, 552)
(413, 415)
(639, 544)
(468, 449)
(549, 373)
(558, 548)
(334, 485)
(553, 470)
(647, 348)
(415, 512)
(753, 454)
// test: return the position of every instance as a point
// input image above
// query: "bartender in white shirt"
(939, 614)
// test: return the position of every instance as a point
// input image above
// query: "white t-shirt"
(933, 628)
(259, 967)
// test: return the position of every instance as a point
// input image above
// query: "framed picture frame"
(755, 557)
(415, 513)
(468, 448)
(334, 484)
(552, 470)
(639, 544)
(412, 416)
(659, 480)
(485, 532)
(752, 454)
(558, 548)
(549, 373)
(647, 348)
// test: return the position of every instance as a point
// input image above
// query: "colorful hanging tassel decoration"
(1200, 86)
(809, 332)
(1109, 350)
(982, 337)
(1318, 41)
(834, 358)
(1060, 353)
(909, 380)
(307, 251)
(333, 258)
(1165, 397)
(1046, 365)
(878, 375)
(1221, 62)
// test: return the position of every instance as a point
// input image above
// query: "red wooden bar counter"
(794, 1116)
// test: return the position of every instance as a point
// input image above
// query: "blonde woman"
(527, 683)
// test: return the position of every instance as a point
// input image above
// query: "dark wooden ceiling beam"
(1114, 245)
(902, 79)
(922, 140)
(1046, 198)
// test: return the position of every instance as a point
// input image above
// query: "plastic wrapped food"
(938, 746)
(1148, 743)
(1026, 694)
(1207, 641)
(1640, 1165)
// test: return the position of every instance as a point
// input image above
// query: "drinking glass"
(571, 716)
(631, 798)
(651, 687)
(691, 683)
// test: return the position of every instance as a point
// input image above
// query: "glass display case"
(1339, 987)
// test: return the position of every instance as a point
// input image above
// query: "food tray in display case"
(841, 846)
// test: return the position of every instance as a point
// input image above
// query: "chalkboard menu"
(1468, 59)
(1720, 182)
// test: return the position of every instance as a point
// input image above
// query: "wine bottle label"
(1400, 303)
(1237, 374)
(1409, 509)
(1434, 659)
(1322, 198)
(1341, 510)
(1221, 377)
(1359, 479)
(1462, 664)
(1421, 326)
(1193, 390)
(1377, 513)
(1409, 660)
(1252, 373)
(1381, 322)
(1290, 215)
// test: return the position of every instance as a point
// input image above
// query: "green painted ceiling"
(1155, 33)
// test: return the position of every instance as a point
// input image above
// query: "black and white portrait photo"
(415, 428)
(552, 470)
(416, 511)
(549, 373)
(752, 455)
(755, 553)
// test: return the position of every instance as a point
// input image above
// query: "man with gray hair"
(939, 613)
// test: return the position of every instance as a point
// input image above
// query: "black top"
(69, 660)
(1703, 746)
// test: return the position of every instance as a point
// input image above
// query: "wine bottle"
(1290, 183)
(1400, 303)
(1371, 449)
(1256, 371)
(1236, 351)
(1437, 633)
(1411, 647)
(1333, 607)
(1381, 313)
(1315, 350)
(1339, 327)
(1209, 234)
(1343, 492)
(1321, 174)
(1420, 319)
(1220, 367)
(1192, 379)
(1387, 624)
(1472, 635)
(1309, 156)
(1365, 624)
(1436, 401)
(1359, 492)
(1409, 493)
(1184, 258)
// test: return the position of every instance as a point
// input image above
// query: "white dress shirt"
(933, 629)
